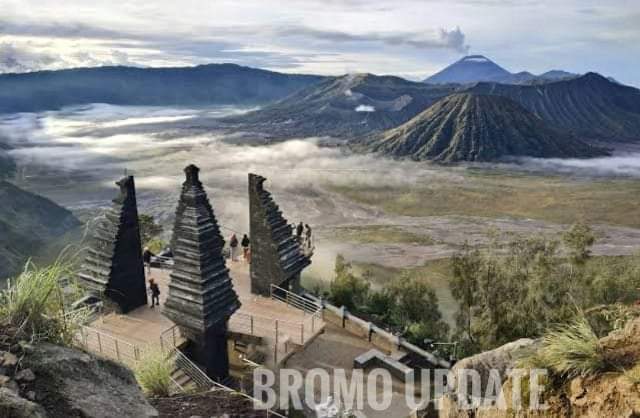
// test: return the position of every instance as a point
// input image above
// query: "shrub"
(153, 373)
(348, 289)
(149, 229)
(34, 304)
(572, 350)
(156, 245)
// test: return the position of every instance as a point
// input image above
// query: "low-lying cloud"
(61, 156)
(19, 60)
(299, 171)
(616, 165)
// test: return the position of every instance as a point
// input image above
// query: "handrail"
(199, 377)
(266, 318)
(165, 334)
(295, 300)
(176, 384)
(274, 326)
(207, 381)
(401, 342)
(181, 361)
(118, 344)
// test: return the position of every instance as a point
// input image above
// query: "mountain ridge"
(590, 106)
(344, 106)
(478, 68)
(122, 85)
(475, 127)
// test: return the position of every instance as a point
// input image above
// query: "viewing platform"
(283, 322)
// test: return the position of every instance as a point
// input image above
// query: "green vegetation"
(149, 233)
(347, 289)
(579, 240)
(523, 288)
(496, 193)
(572, 350)
(405, 304)
(380, 234)
(153, 373)
(34, 304)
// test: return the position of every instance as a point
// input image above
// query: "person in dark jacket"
(245, 247)
(155, 292)
(146, 258)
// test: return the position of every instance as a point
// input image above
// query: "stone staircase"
(183, 381)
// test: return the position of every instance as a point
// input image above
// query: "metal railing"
(171, 337)
(294, 300)
(262, 326)
(197, 376)
(202, 381)
(109, 346)
(130, 354)
(374, 329)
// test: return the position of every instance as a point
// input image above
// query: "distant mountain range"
(478, 68)
(567, 108)
(28, 223)
(346, 106)
(473, 127)
(591, 106)
(201, 85)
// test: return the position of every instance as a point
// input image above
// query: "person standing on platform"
(299, 231)
(233, 244)
(245, 247)
(307, 233)
(155, 292)
(146, 257)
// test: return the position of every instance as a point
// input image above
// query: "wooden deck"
(124, 336)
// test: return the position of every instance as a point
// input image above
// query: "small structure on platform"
(276, 256)
(201, 297)
(113, 266)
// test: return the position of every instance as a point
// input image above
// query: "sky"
(409, 38)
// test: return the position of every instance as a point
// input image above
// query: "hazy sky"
(411, 38)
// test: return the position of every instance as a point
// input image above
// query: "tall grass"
(34, 305)
(153, 373)
(572, 350)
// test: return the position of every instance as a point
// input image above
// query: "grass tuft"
(34, 304)
(572, 350)
(153, 373)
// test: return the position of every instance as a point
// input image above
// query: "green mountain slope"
(28, 222)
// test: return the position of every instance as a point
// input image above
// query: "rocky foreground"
(611, 394)
(46, 380)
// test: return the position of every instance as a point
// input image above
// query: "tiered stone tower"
(276, 256)
(113, 266)
(201, 297)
